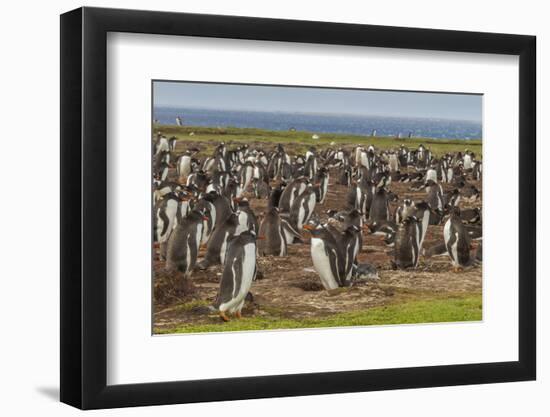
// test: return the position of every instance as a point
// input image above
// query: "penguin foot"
(224, 316)
(238, 315)
(457, 269)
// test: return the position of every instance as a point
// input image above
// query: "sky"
(317, 100)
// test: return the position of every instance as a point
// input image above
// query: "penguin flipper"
(165, 222)
(287, 226)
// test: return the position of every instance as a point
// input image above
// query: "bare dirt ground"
(291, 288)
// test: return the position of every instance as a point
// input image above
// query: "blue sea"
(323, 123)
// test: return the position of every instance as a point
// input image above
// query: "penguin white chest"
(321, 263)
(249, 265)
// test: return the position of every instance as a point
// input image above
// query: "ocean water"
(323, 123)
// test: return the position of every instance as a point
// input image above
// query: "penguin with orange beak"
(238, 274)
(325, 254)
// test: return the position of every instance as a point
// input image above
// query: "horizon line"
(172, 106)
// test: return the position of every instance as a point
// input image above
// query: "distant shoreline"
(245, 131)
(322, 124)
(343, 115)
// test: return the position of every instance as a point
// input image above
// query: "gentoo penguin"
(451, 199)
(165, 213)
(422, 212)
(247, 173)
(198, 179)
(290, 193)
(238, 273)
(406, 250)
(310, 169)
(206, 204)
(162, 145)
(435, 200)
(350, 218)
(431, 174)
(222, 205)
(271, 230)
(232, 191)
(184, 242)
(350, 243)
(344, 176)
(356, 198)
(302, 208)
(468, 163)
(172, 143)
(261, 188)
(215, 251)
(243, 206)
(380, 210)
(457, 240)
(393, 162)
(404, 211)
(321, 181)
(326, 256)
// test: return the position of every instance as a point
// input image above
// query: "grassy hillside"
(302, 140)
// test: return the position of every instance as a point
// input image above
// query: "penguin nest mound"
(169, 288)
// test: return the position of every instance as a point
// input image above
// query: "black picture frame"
(84, 207)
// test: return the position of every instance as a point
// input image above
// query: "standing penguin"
(290, 193)
(238, 273)
(435, 200)
(404, 211)
(271, 230)
(422, 213)
(243, 206)
(321, 181)
(184, 165)
(247, 173)
(217, 243)
(302, 208)
(457, 241)
(406, 244)
(350, 243)
(380, 209)
(326, 256)
(184, 242)
(166, 213)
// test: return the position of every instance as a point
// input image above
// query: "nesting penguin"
(238, 273)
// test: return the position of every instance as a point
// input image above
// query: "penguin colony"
(202, 215)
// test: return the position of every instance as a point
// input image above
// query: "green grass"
(451, 309)
(302, 140)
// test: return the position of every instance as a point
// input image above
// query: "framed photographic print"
(257, 208)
